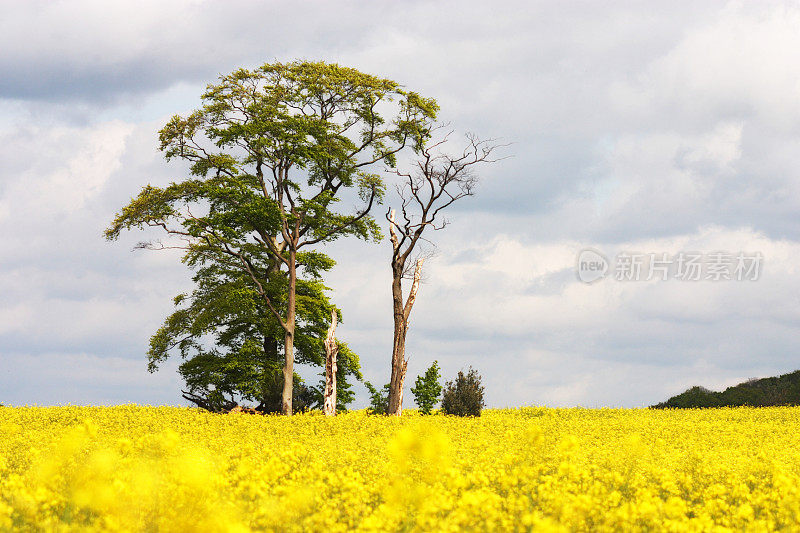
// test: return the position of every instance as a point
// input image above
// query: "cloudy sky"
(636, 127)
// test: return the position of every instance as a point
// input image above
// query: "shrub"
(464, 397)
(427, 389)
(379, 399)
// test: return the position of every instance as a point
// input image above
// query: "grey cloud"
(59, 378)
(631, 126)
(89, 51)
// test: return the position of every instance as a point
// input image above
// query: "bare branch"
(438, 181)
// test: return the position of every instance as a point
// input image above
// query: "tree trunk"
(288, 365)
(401, 322)
(398, 345)
(331, 351)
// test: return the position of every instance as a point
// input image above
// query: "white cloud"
(66, 166)
(740, 62)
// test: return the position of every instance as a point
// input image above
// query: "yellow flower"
(132, 468)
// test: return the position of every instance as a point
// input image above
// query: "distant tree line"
(772, 391)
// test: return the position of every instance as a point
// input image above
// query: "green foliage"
(379, 399)
(322, 121)
(427, 389)
(345, 394)
(230, 342)
(693, 397)
(270, 153)
(464, 396)
(781, 390)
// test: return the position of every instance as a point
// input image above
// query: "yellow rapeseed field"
(133, 468)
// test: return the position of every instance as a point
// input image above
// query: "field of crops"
(173, 469)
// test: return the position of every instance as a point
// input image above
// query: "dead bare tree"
(437, 181)
(331, 351)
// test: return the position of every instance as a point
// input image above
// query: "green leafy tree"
(271, 153)
(427, 389)
(378, 399)
(231, 344)
(464, 396)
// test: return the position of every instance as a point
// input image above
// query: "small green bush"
(427, 389)
(379, 399)
(464, 396)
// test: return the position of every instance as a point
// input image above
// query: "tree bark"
(402, 314)
(288, 365)
(331, 351)
(398, 346)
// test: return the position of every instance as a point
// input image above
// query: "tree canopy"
(271, 153)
